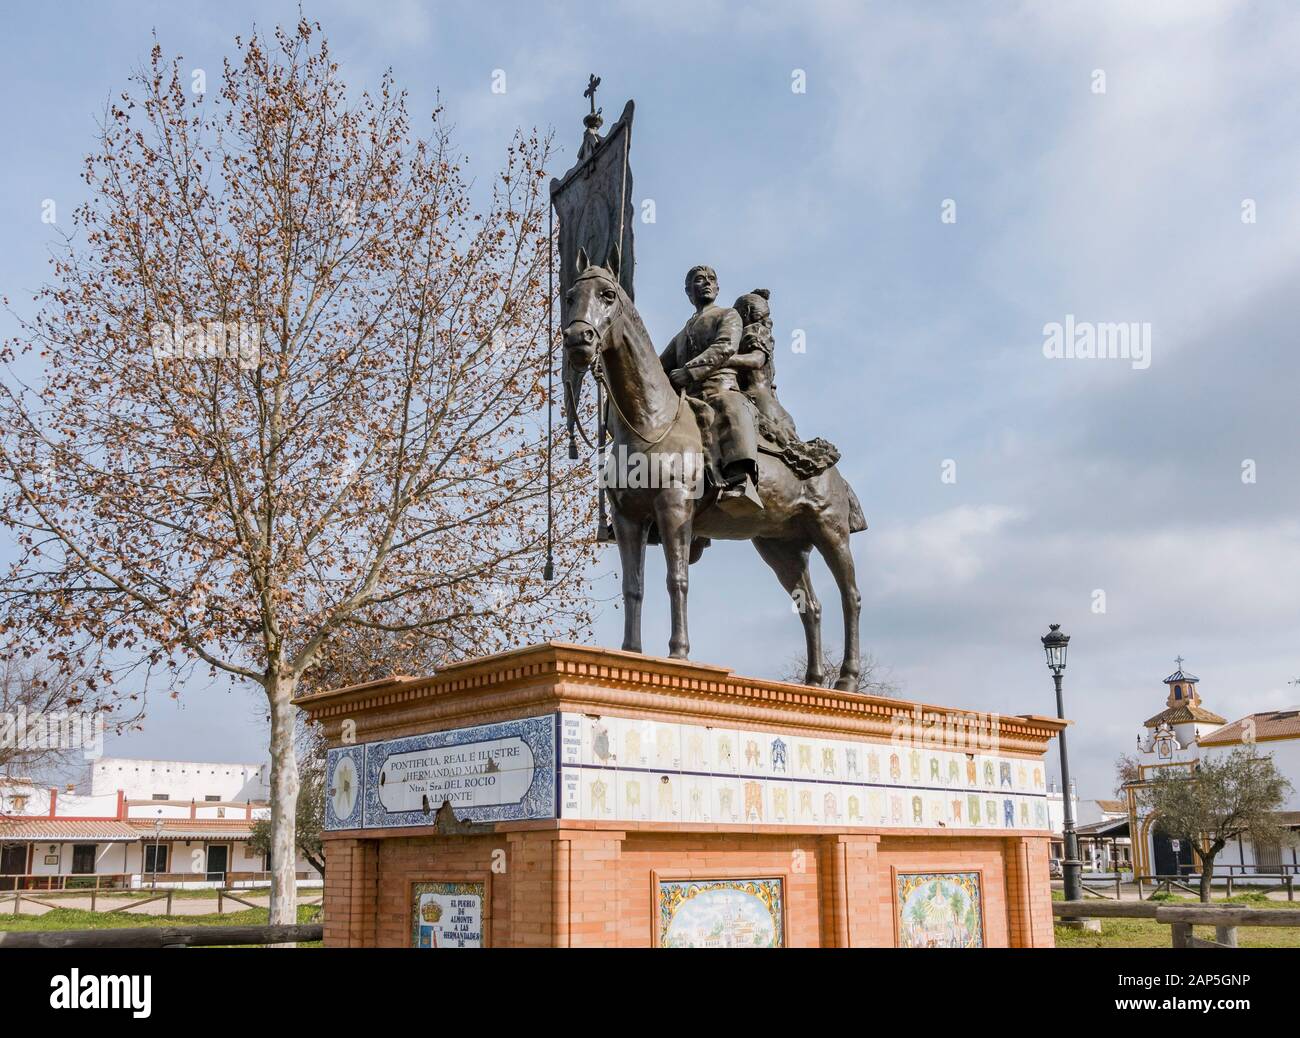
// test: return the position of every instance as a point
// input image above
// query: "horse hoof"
(678, 654)
(847, 683)
(815, 680)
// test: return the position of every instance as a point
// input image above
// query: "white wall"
(1056, 809)
(34, 799)
(1286, 758)
(181, 780)
(74, 805)
(185, 857)
(109, 857)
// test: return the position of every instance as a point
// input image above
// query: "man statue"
(697, 361)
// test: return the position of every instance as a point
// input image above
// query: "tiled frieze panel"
(623, 769)
(634, 770)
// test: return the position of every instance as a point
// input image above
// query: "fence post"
(93, 891)
(1290, 886)
(169, 901)
(1182, 934)
(1226, 935)
(18, 899)
(1229, 882)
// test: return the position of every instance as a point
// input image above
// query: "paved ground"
(108, 902)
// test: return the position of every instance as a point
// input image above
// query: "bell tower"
(1184, 718)
(1182, 687)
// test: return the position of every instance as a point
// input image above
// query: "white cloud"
(940, 552)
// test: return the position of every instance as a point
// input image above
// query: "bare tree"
(1226, 797)
(309, 814)
(873, 679)
(52, 723)
(1127, 770)
(293, 387)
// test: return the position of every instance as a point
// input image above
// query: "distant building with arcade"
(1181, 735)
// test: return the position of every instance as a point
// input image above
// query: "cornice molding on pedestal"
(558, 677)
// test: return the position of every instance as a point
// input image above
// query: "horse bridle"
(597, 368)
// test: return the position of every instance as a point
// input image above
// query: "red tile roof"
(64, 829)
(196, 828)
(1273, 724)
(1184, 712)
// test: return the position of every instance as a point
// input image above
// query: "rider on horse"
(723, 358)
(698, 362)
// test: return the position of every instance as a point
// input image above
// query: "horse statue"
(651, 421)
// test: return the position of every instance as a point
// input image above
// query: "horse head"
(593, 303)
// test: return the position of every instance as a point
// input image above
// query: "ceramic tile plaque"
(721, 913)
(939, 910)
(343, 787)
(488, 773)
(447, 915)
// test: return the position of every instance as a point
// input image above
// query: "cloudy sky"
(1098, 158)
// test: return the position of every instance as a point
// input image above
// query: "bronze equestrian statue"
(716, 456)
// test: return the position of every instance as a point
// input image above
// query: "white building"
(144, 822)
(1186, 732)
(180, 780)
(1056, 817)
(1101, 827)
(1102, 830)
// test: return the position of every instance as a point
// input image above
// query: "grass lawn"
(80, 919)
(1147, 933)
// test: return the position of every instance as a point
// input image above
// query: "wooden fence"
(88, 881)
(49, 900)
(1181, 918)
(1190, 881)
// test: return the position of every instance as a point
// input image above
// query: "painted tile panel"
(939, 910)
(722, 913)
(344, 766)
(495, 772)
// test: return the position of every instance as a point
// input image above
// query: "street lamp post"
(1055, 644)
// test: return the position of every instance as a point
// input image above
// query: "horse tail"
(857, 521)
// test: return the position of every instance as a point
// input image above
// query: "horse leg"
(789, 561)
(673, 515)
(631, 537)
(833, 544)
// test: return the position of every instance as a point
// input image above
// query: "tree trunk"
(1207, 874)
(284, 804)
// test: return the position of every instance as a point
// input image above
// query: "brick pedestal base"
(594, 882)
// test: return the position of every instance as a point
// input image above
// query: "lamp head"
(1055, 644)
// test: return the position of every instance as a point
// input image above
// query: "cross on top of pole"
(593, 81)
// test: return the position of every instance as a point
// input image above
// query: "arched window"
(1178, 691)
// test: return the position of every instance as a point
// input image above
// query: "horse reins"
(598, 373)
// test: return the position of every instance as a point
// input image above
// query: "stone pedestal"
(566, 796)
